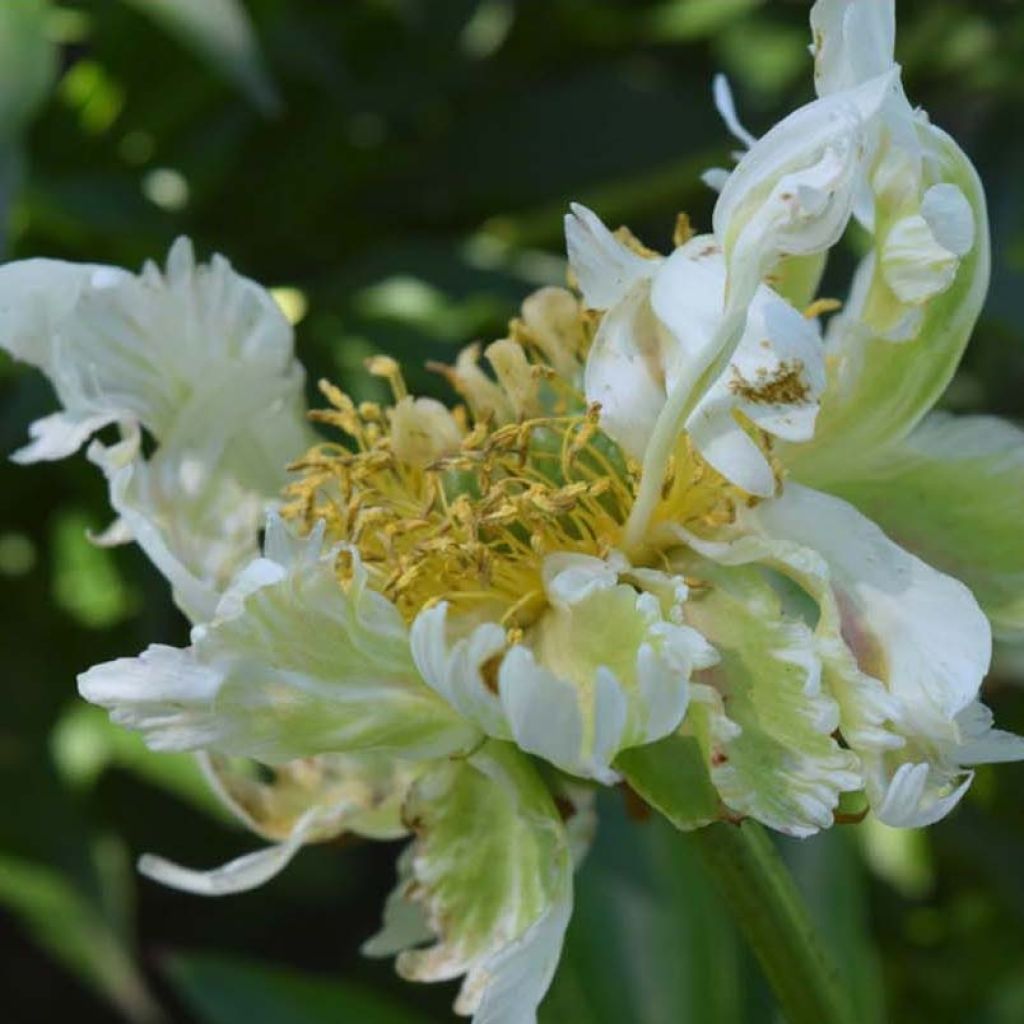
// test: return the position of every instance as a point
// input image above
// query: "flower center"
(469, 511)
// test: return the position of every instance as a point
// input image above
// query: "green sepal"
(672, 777)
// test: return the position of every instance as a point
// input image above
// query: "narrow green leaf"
(671, 776)
(77, 933)
(226, 991)
(221, 33)
(28, 63)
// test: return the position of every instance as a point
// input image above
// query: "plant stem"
(772, 917)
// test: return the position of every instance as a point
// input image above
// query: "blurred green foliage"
(397, 169)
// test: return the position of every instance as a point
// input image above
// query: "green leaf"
(77, 933)
(219, 990)
(650, 941)
(220, 32)
(28, 63)
(671, 776)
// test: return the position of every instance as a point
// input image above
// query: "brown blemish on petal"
(489, 671)
(784, 386)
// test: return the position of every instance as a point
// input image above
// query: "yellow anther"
(464, 507)
(389, 370)
(683, 231)
(821, 306)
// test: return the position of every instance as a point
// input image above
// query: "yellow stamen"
(473, 523)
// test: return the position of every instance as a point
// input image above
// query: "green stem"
(772, 917)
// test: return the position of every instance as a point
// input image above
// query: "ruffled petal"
(200, 358)
(879, 391)
(489, 877)
(577, 693)
(903, 648)
(293, 665)
(775, 759)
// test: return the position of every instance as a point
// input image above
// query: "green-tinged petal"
(796, 278)
(490, 878)
(953, 492)
(672, 776)
(904, 649)
(605, 668)
(879, 390)
(782, 766)
(294, 664)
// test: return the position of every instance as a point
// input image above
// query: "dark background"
(401, 168)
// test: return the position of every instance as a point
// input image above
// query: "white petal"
(241, 875)
(546, 719)
(623, 374)
(36, 296)
(935, 640)
(605, 268)
(949, 215)
(454, 669)
(570, 578)
(59, 435)
(158, 694)
(726, 446)
(715, 178)
(793, 191)
(912, 801)
(726, 107)
(980, 743)
(519, 975)
(854, 40)
(914, 265)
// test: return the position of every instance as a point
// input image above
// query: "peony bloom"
(645, 522)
